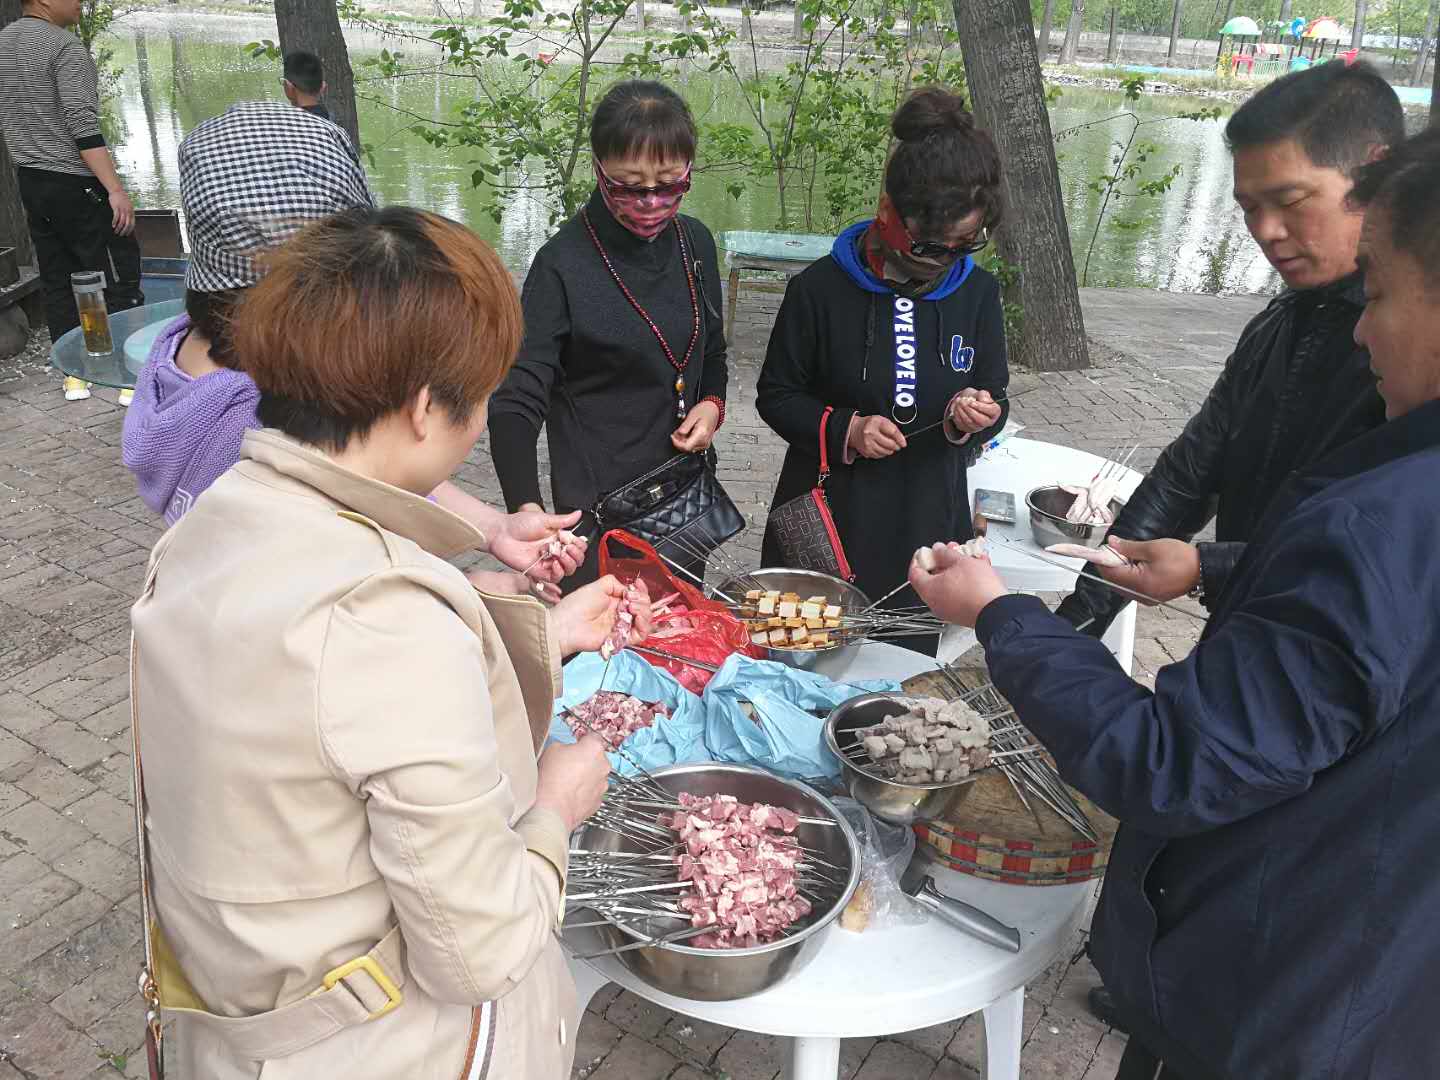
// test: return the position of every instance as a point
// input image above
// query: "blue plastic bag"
(785, 736)
(675, 740)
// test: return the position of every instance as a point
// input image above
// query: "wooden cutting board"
(991, 834)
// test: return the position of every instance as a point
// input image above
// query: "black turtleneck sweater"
(584, 341)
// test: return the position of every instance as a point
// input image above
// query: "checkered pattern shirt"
(253, 177)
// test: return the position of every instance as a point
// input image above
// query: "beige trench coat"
(339, 736)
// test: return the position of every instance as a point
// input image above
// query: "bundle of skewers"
(708, 871)
(1093, 499)
(1019, 755)
(790, 621)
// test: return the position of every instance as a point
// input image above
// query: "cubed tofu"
(779, 637)
(766, 606)
(831, 611)
(793, 624)
(817, 600)
(820, 640)
(814, 624)
(754, 594)
(832, 624)
(810, 611)
(774, 623)
(787, 609)
(759, 639)
(790, 597)
(799, 634)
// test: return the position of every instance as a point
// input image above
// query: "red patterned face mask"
(643, 211)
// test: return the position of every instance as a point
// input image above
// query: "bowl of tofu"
(798, 617)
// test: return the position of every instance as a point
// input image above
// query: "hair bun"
(929, 111)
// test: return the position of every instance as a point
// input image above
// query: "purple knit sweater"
(181, 433)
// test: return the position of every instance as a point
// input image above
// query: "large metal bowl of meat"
(1048, 506)
(889, 800)
(710, 974)
(806, 583)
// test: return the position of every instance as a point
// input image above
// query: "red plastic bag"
(689, 625)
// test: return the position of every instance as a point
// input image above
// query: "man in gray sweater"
(80, 217)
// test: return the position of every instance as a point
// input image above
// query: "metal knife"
(917, 883)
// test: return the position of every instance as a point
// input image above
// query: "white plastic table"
(787, 253)
(882, 982)
(1018, 466)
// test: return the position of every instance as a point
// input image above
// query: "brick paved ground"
(73, 544)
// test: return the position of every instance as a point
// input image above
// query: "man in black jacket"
(1296, 385)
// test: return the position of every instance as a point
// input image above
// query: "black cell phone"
(995, 505)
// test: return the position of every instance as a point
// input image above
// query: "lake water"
(179, 70)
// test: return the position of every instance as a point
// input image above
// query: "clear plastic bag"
(885, 852)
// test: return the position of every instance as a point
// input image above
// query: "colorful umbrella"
(1325, 29)
(1241, 26)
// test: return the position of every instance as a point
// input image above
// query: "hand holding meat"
(697, 431)
(1158, 569)
(604, 616)
(540, 544)
(956, 583)
(875, 437)
(973, 410)
(572, 779)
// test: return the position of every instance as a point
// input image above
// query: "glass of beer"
(89, 288)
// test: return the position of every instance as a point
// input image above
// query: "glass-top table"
(787, 253)
(133, 331)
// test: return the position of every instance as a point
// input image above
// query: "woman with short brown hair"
(346, 819)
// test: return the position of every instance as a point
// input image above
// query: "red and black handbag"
(803, 528)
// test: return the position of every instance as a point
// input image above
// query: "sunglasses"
(931, 249)
(670, 190)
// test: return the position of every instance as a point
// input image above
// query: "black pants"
(70, 223)
(1137, 1063)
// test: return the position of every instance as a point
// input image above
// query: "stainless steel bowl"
(1047, 518)
(900, 804)
(806, 583)
(726, 974)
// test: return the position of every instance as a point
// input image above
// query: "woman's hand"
(1159, 569)
(492, 581)
(973, 410)
(584, 619)
(955, 586)
(875, 437)
(525, 537)
(572, 779)
(697, 431)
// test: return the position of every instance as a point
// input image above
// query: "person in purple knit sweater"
(192, 402)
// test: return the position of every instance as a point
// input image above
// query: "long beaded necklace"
(678, 365)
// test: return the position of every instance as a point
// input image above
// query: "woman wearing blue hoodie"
(893, 333)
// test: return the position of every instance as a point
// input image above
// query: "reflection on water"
(181, 69)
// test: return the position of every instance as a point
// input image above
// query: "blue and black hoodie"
(845, 339)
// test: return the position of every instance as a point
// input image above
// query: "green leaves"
(262, 50)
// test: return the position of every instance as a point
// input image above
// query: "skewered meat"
(635, 596)
(614, 716)
(1092, 502)
(934, 741)
(1101, 556)
(740, 860)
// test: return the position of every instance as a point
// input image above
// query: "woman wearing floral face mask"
(624, 356)
(898, 340)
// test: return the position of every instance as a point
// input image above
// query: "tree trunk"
(1417, 76)
(1435, 97)
(1046, 20)
(314, 25)
(1112, 51)
(1284, 17)
(640, 15)
(1357, 34)
(1229, 10)
(1002, 67)
(799, 26)
(14, 229)
(1072, 32)
(1174, 31)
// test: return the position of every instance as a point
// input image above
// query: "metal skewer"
(1055, 561)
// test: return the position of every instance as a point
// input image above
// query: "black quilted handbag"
(681, 498)
(804, 529)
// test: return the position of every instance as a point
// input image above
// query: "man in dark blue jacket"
(1270, 909)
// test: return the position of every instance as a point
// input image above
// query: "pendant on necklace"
(680, 396)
